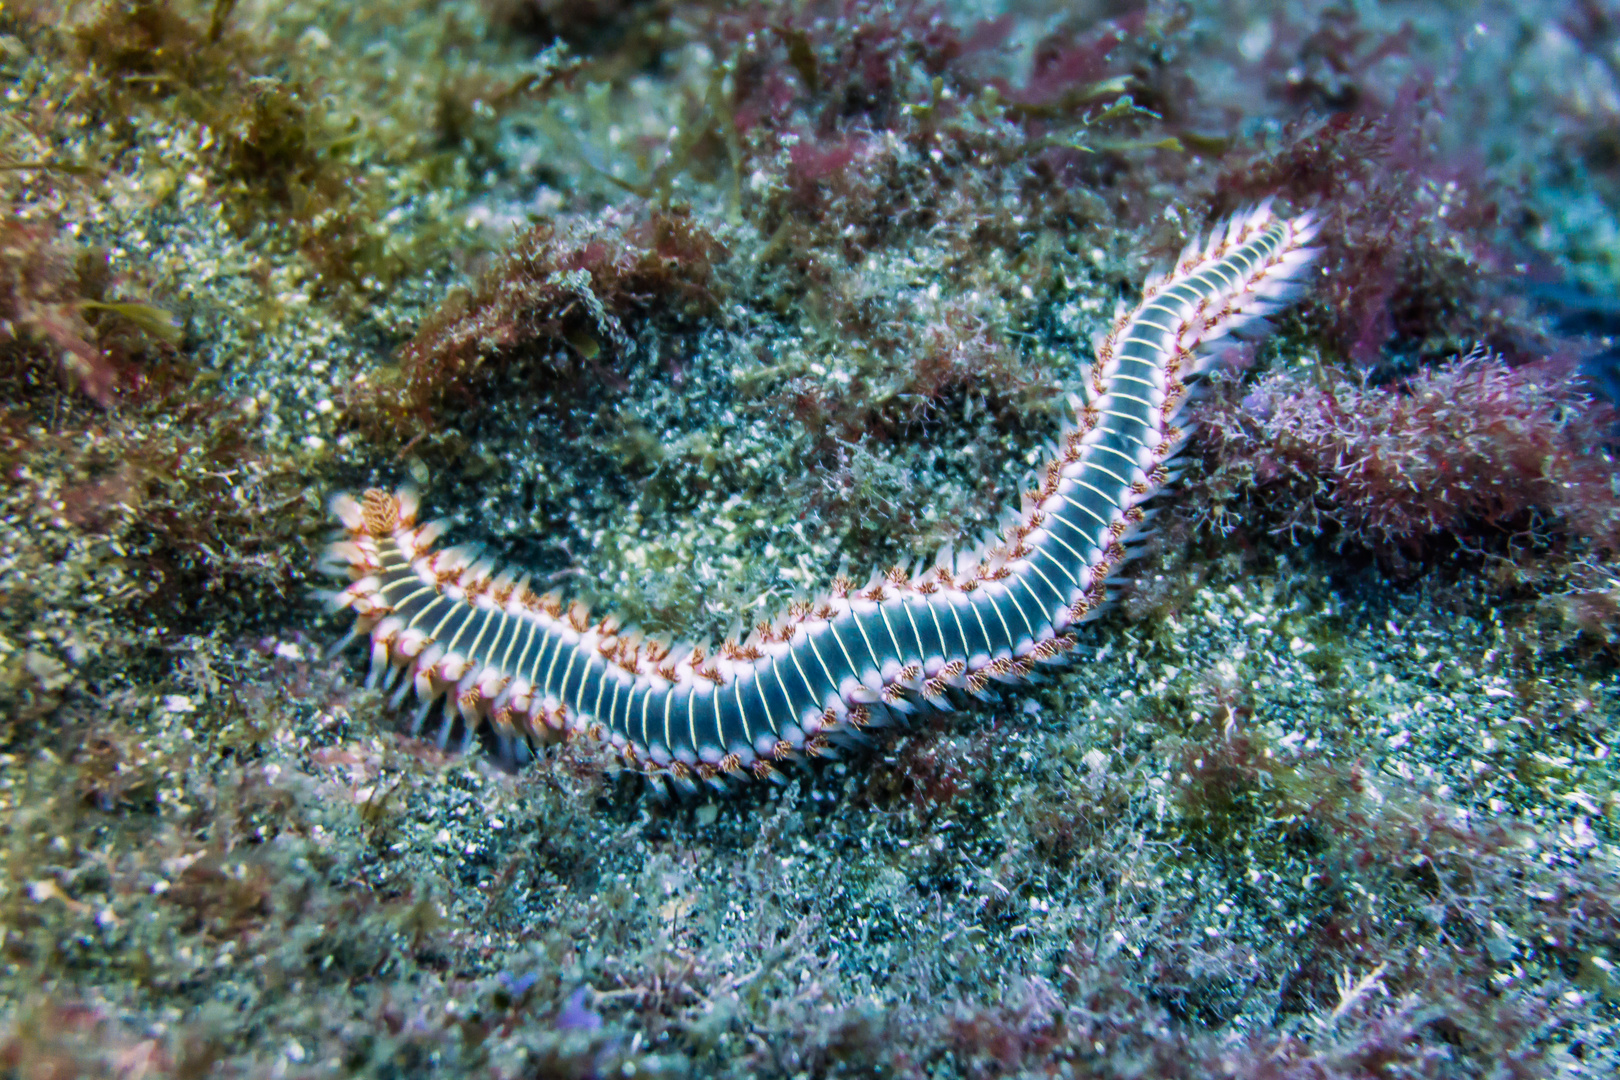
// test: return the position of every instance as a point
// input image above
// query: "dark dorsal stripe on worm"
(535, 669)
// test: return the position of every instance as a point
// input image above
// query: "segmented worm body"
(535, 669)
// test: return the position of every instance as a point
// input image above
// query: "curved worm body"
(535, 669)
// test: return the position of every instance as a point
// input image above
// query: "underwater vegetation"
(685, 308)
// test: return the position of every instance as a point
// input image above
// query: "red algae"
(1473, 447)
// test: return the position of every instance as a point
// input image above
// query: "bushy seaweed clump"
(1472, 447)
(1432, 408)
(565, 287)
